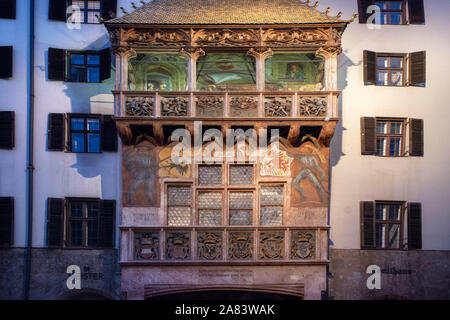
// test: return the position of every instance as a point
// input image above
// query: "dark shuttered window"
(7, 129)
(109, 134)
(370, 67)
(56, 131)
(367, 212)
(55, 222)
(79, 66)
(80, 223)
(6, 62)
(86, 133)
(6, 221)
(7, 9)
(416, 137)
(368, 136)
(107, 223)
(362, 10)
(414, 226)
(109, 9)
(56, 64)
(416, 12)
(417, 68)
(89, 8)
(390, 69)
(393, 11)
(57, 10)
(105, 64)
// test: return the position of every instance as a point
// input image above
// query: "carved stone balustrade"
(220, 105)
(251, 245)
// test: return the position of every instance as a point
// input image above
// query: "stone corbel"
(158, 133)
(326, 134)
(294, 133)
(124, 131)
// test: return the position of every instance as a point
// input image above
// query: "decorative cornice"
(298, 37)
(260, 53)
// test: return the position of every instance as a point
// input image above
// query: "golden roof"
(225, 12)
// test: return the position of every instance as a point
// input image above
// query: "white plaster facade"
(354, 177)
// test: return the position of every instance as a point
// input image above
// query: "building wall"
(356, 178)
(56, 174)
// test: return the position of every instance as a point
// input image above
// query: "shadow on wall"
(92, 98)
(344, 63)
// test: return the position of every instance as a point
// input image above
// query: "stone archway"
(224, 292)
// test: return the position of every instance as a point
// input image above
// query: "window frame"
(85, 131)
(403, 69)
(166, 202)
(388, 136)
(68, 219)
(389, 10)
(388, 222)
(85, 10)
(260, 205)
(85, 65)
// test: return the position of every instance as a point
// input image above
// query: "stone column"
(330, 55)
(260, 55)
(192, 54)
(123, 54)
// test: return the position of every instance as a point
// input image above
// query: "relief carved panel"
(139, 106)
(277, 106)
(271, 245)
(240, 245)
(209, 245)
(209, 106)
(241, 106)
(174, 106)
(303, 244)
(147, 245)
(313, 106)
(178, 245)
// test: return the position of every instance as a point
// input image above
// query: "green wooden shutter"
(55, 222)
(6, 221)
(370, 67)
(56, 131)
(109, 134)
(7, 129)
(416, 138)
(107, 223)
(416, 11)
(417, 68)
(367, 216)
(368, 136)
(414, 225)
(57, 10)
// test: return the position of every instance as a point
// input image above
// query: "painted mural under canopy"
(294, 72)
(157, 72)
(231, 71)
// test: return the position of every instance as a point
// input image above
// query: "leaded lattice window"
(209, 175)
(271, 210)
(179, 205)
(240, 208)
(241, 175)
(209, 208)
